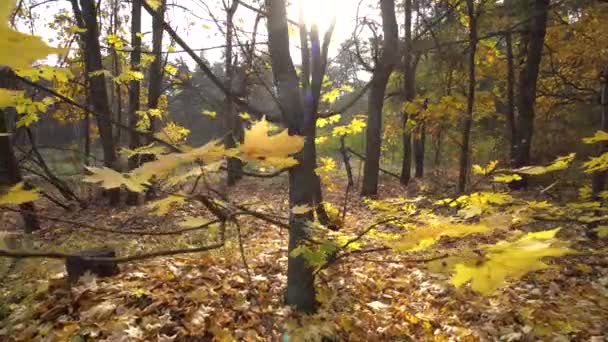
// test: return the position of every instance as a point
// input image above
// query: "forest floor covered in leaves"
(212, 296)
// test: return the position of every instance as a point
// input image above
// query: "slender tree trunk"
(409, 89)
(419, 149)
(300, 280)
(389, 57)
(97, 84)
(512, 132)
(467, 121)
(8, 162)
(134, 90)
(155, 82)
(232, 123)
(528, 78)
(599, 179)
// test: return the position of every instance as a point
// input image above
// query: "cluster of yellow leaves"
(561, 163)
(421, 237)
(477, 203)
(484, 171)
(18, 195)
(327, 167)
(509, 260)
(354, 127)
(332, 95)
(258, 145)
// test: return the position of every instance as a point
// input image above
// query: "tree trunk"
(232, 123)
(512, 132)
(134, 90)
(599, 179)
(409, 89)
(8, 162)
(388, 59)
(467, 121)
(155, 83)
(528, 78)
(419, 148)
(300, 281)
(97, 84)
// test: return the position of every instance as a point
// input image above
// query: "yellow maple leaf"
(259, 145)
(19, 50)
(18, 195)
(301, 209)
(209, 113)
(162, 206)
(110, 179)
(509, 260)
(193, 222)
(8, 97)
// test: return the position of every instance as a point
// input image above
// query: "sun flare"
(319, 12)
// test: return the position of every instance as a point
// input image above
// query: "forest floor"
(212, 296)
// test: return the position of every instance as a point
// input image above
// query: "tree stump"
(77, 266)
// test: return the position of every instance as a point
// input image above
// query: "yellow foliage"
(561, 163)
(162, 206)
(209, 113)
(18, 195)
(8, 97)
(597, 137)
(271, 149)
(479, 170)
(509, 260)
(420, 238)
(301, 209)
(110, 179)
(19, 50)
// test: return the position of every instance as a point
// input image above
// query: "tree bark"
(528, 79)
(512, 132)
(8, 162)
(155, 82)
(467, 121)
(232, 123)
(300, 281)
(97, 84)
(599, 179)
(419, 149)
(409, 90)
(389, 57)
(134, 90)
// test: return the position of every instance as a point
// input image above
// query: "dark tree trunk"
(389, 57)
(467, 121)
(8, 163)
(97, 83)
(599, 179)
(155, 83)
(134, 90)
(300, 279)
(409, 89)
(512, 133)
(528, 78)
(419, 149)
(232, 123)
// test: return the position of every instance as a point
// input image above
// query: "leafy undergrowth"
(378, 296)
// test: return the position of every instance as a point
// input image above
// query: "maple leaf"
(18, 195)
(162, 206)
(8, 97)
(560, 163)
(301, 209)
(19, 50)
(110, 179)
(259, 145)
(599, 136)
(509, 260)
(209, 113)
(193, 222)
